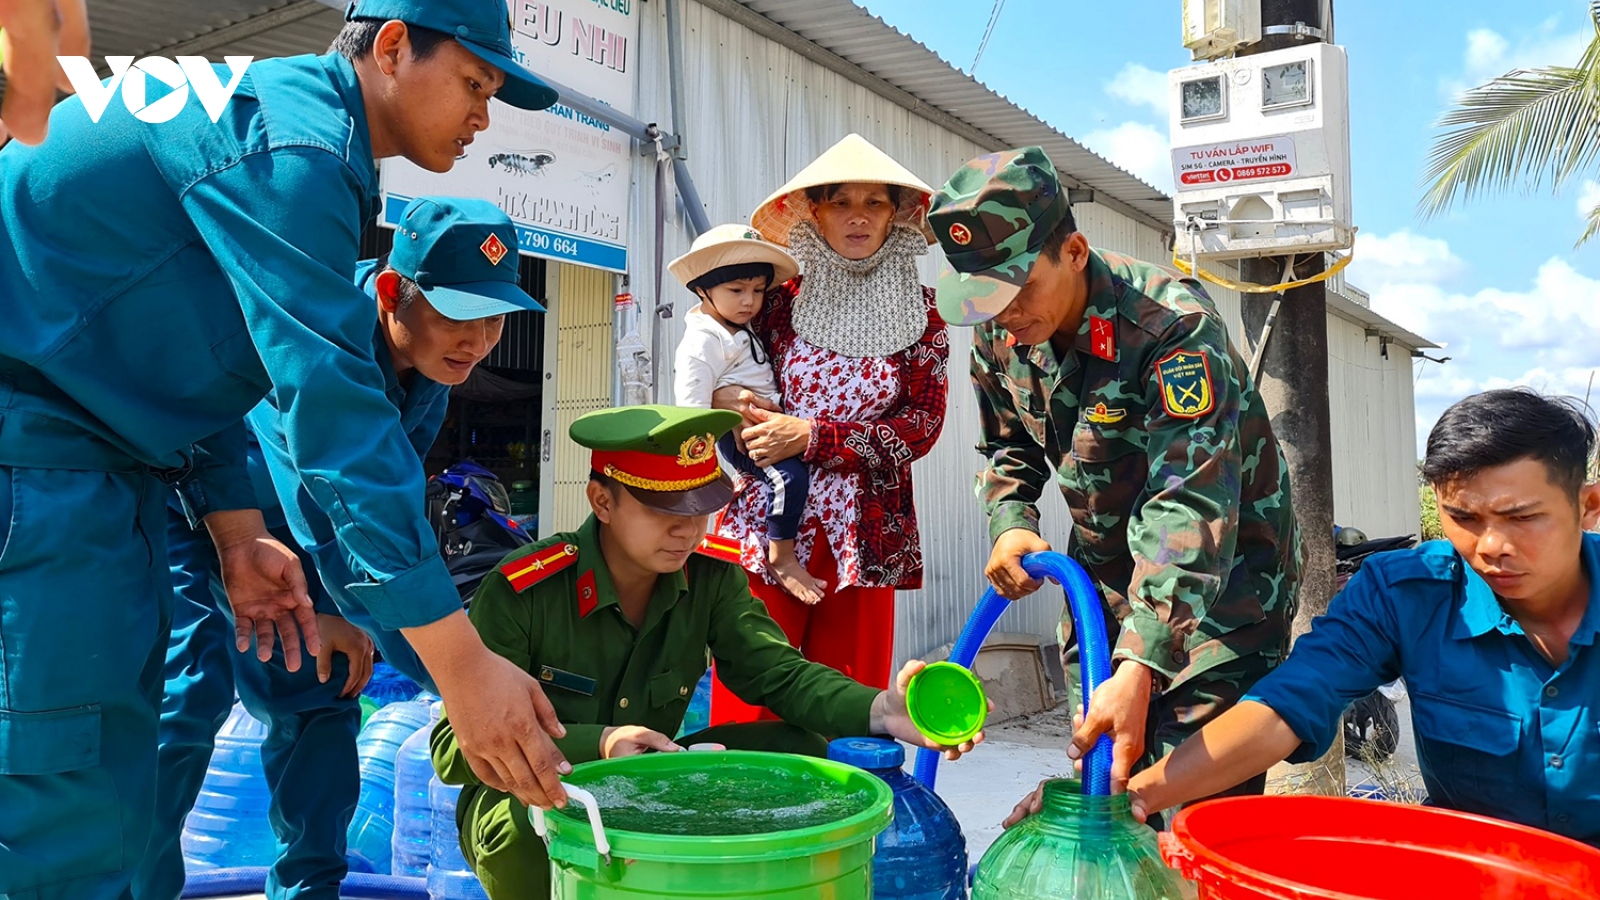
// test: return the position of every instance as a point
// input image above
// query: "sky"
(1497, 280)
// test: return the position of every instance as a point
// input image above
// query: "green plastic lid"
(946, 703)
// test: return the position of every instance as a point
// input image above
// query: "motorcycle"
(1371, 725)
(471, 514)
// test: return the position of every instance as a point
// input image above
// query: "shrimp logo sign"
(130, 78)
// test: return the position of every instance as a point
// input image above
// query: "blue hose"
(1094, 655)
(253, 880)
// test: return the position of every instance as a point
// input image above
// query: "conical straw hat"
(852, 160)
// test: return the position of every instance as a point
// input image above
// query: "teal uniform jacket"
(156, 281)
(422, 404)
(310, 753)
(163, 278)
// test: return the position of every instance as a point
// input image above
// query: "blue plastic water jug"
(413, 819)
(922, 855)
(387, 685)
(378, 747)
(228, 827)
(449, 877)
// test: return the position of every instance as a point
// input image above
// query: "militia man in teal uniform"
(157, 280)
(616, 618)
(1122, 379)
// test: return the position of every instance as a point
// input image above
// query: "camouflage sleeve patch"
(1184, 381)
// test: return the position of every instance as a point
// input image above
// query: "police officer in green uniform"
(1122, 379)
(616, 618)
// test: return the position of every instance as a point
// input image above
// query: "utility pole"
(1294, 385)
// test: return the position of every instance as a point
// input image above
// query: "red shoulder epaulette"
(526, 571)
(718, 547)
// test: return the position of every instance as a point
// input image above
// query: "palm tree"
(1526, 129)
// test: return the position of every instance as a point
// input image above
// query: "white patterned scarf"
(860, 308)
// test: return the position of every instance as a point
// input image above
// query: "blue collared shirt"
(421, 404)
(1500, 730)
(156, 280)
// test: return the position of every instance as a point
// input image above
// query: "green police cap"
(461, 253)
(481, 26)
(666, 455)
(992, 218)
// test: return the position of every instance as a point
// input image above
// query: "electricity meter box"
(1261, 154)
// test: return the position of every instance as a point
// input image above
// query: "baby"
(731, 268)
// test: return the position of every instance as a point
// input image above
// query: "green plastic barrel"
(718, 825)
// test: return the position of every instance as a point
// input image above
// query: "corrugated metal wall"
(1370, 403)
(757, 113)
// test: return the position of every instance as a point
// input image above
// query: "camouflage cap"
(992, 218)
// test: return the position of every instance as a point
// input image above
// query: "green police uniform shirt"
(1165, 454)
(598, 670)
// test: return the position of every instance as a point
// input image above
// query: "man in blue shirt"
(427, 339)
(156, 281)
(1492, 629)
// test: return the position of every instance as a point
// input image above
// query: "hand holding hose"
(1120, 707)
(1005, 571)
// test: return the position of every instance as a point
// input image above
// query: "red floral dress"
(871, 418)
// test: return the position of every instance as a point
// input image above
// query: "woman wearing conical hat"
(860, 355)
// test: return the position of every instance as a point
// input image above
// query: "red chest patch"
(587, 596)
(1103, 338)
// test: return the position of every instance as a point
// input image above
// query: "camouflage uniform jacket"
(1162, 447)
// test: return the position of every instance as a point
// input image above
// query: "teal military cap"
(481, 26)
(462, 254)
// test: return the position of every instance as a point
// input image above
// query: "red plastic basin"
(1334, 848)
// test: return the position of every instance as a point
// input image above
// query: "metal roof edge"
(1351, 311)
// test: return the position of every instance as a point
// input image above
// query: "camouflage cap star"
(992, 218)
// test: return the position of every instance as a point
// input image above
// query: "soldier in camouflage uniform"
(1121, 378)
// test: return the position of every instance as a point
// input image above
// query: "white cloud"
(1588, 199)
(1140, 85)
(1141, 149)
(1403, 258)
(1538, 334)
(1490, 54)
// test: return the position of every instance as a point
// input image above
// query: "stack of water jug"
(405, 819)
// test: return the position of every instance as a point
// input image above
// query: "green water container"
(723, 825)
(1079, 847)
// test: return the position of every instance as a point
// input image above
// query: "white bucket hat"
(732, 245)
(853, 160)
